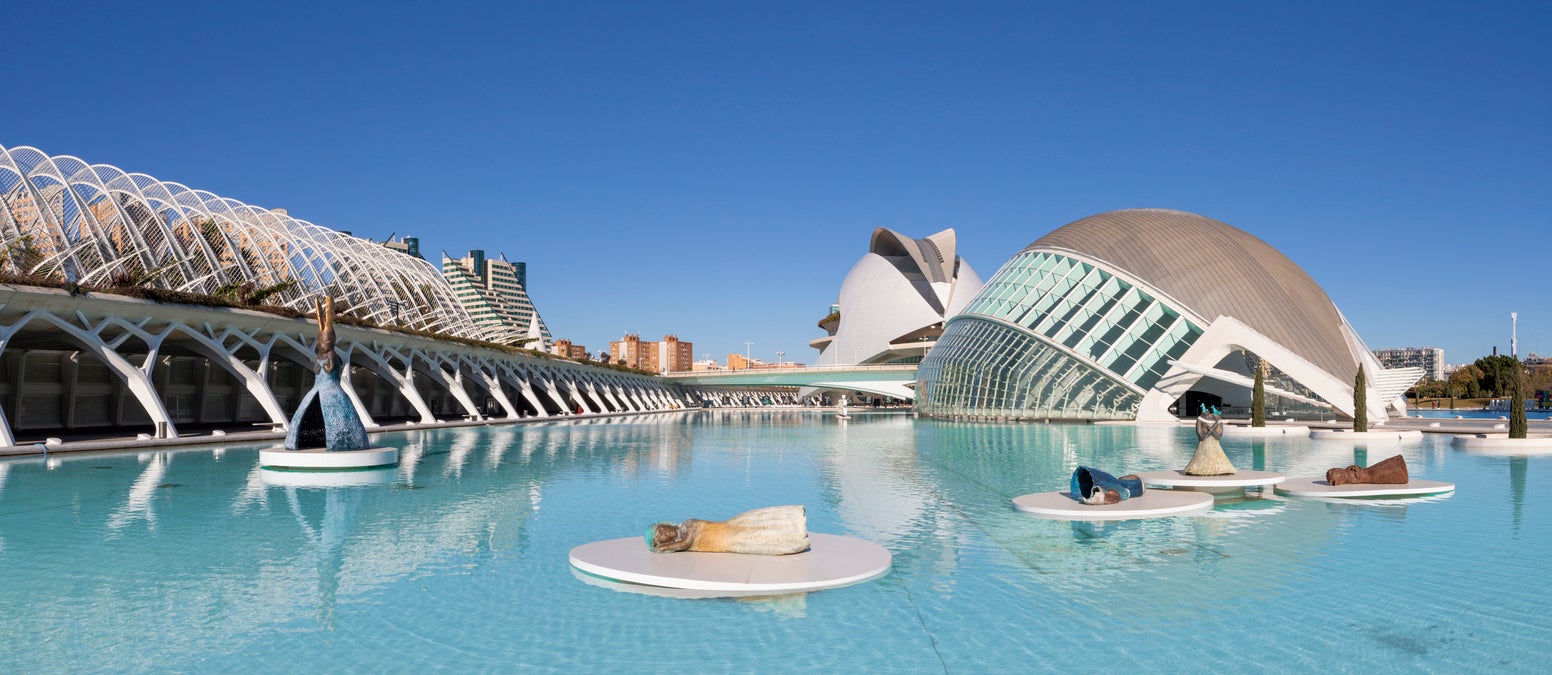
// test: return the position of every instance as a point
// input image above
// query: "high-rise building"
(495, 292)
(407, 245)
(671, 355)
(1430, 359)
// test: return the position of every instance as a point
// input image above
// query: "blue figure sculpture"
(1092, 486)
(326, 417)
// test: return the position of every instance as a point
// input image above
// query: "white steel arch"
(85, 223)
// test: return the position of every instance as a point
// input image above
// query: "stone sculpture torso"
(774, 530)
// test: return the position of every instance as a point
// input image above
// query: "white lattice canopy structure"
(88, 223)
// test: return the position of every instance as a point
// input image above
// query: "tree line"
(1487, 377)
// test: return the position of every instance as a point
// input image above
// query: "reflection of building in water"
(879, 489)
(1178, 560)
(138, 503)
(667, 452)
(1517, 470)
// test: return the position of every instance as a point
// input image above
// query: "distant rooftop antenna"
(1514, 329)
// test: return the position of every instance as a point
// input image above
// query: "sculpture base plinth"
(1502, 445)
(1151, 504)
(1269, 430)
(1349, 436)
(327, 460)
(831, 561)
(307, 478)
(1316, 486)
(1232, 485)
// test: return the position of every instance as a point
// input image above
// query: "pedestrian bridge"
(887, 380)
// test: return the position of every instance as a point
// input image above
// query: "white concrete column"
(401, 381)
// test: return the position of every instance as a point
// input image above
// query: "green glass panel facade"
(1053, 336)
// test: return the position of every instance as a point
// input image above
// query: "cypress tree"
(1258, 398)
(1360, 402)
(1517, 402)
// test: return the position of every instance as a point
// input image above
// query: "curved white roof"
(1215, 269)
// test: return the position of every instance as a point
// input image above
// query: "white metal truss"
(87, 223)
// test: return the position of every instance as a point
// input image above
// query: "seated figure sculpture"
(1209, 459)
(1390, 471)
(773, 530)
(1092, 486)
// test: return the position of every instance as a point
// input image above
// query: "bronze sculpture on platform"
(326, 417)
(1390, 471)
(774, 530)
(1209, 459)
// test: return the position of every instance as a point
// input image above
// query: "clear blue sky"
(714, 169)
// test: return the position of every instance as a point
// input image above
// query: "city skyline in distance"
(714, 172)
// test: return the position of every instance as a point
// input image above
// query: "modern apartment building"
(1430, 359)
(495, 292)
(564, 348)
(670, 355)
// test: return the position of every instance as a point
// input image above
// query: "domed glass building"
(1147, 314)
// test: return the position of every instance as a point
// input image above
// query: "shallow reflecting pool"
(195, 560)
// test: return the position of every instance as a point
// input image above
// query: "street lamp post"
(778, 358)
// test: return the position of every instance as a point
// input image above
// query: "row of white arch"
(104, 327)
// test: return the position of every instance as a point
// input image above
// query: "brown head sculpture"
(670, 537)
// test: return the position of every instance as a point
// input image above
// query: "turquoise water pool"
(193, 561)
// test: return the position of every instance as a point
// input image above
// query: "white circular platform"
(1269, 430)
(1237, 481)
(325, 460)
(1316, 486)
(1501, 444)
(1152, 504)
(328, 479)
(1350, 435)
(831, 561)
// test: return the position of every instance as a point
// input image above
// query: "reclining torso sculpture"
(774, 530)
(1391, 471)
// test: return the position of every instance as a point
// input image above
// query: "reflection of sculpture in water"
(1209, 459)
(326, 418)
(1092, 486)
(1391, 471)
(774, 530)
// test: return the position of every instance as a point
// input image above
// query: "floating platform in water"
(327, 460)
(1151, 504)
(1350, 436)
(1500, 445)
(1316, 486)
(831, 561)
(1234, 483)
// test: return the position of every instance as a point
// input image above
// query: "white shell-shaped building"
(1128, 314)
(894, 300)
(87, 223)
